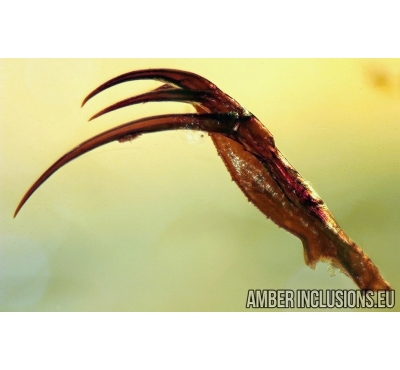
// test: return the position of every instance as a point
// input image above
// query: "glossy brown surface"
(249, 153)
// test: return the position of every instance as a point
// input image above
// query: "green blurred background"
(156, 224)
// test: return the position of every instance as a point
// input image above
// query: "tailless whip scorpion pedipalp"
(250, 155)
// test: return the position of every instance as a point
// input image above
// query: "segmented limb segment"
(248, 150)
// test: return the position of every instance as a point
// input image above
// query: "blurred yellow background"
(156, 224)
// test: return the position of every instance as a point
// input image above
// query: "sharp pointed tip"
(96, 115)
(86, 99)
(19, 207)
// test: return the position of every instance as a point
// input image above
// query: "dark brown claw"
(169, 76)
(250, 155)
(217, 122)
(194, 97)
(186, 80)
